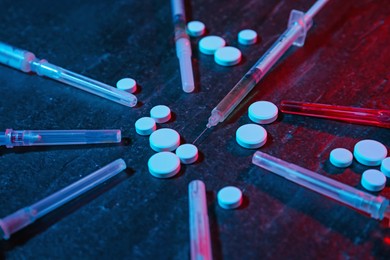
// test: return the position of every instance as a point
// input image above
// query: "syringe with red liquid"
(364, 116)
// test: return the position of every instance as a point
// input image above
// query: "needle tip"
(196, 139)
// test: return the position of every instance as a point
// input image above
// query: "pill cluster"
(367, 152)
(253, 136)
(216, 45)
(165, 163)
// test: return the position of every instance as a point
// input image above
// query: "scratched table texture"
(345, 61)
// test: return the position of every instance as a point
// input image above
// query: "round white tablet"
(251, 136)
(196, 28)
(164, 165)
(160, 113)
(227, 56)
(127, 84)
(263, 112)
(341, 157)
(210, 44)
(145, 126)
(229, 197)
(188, 153)
(247, 37)
(385, 166)
(164, 139)
(373, 180)
(369, 152)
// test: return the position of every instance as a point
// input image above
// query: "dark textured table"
(345, 61)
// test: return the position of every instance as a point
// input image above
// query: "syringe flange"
(298, 17)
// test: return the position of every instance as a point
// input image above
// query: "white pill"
(227, 56)
(164, 139)
(188, 153)
(373, 180)
(196, 28)
(145, 126)
(385, 166)
(341, 157)
(127, 84)
(164, 165)
(251, 136)
(210, 44)
(229, 197)
(263, 112)
(370, 152)
(160, 113)
(247, 37)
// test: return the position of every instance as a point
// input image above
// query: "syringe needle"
(298, 25)
(11, 138)
(27, 62)
(25, 216)
(365, 116)
(376, 206)
(183, 46)
(196, 139)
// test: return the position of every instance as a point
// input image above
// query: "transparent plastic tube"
(27, 62)
(199, 222)
(28, 215)
(364, 116)
(376, 206)
(12, 138)
(298, 25)
(183, 46)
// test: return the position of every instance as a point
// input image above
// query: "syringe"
(199, 222)
(27, 62)
(376, 206)
(357, 115)
(183, 45)
(298, 25)
(25, 216)
(11, 138)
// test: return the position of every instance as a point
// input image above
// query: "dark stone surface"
(345, 61)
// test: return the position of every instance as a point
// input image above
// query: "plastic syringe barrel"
(294, 35)
(13, 138)
(28, 215)
(375, 206)
(27, 62)
(178, 9)
(234, 97)
(183, 46)
(16, 58)
(199, 221)
(183, 51)
(84, 83)
(365, 116)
